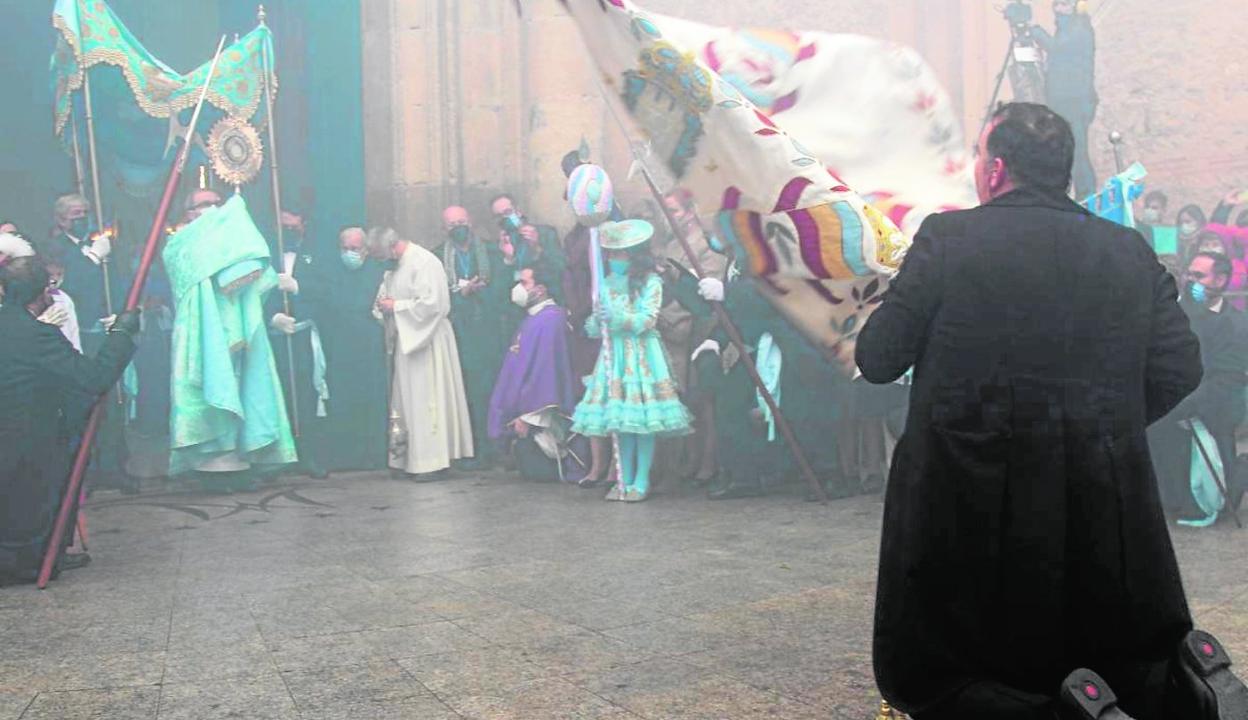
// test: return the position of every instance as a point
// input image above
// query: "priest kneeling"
(534, 396)
(429, 419)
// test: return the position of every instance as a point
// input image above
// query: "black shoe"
(1204, 669)
(1086, 696)
(74, 562)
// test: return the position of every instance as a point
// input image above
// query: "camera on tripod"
(1018, 14)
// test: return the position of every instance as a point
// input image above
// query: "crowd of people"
(486, 348)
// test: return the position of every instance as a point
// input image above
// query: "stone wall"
(464, 99)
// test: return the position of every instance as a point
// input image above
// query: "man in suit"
(41, 378)
(1024, 550)
(1219, 401)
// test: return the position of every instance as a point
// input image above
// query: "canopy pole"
(277, 212)
(70, 499)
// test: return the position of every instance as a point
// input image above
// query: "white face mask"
(520, 295)
(1151, 216)
(1188, 228)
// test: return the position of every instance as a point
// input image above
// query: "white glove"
(287, 284)
(54, 315)
(711, 289)
(99, 250)
(711, 346)
(107, 322)
(283, 323)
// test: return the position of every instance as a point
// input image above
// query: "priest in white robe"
(430, 425)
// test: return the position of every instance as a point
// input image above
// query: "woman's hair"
(1194, 212)
(640, 267)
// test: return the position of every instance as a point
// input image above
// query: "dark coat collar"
(1034, 197)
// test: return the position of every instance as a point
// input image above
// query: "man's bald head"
(455, 215)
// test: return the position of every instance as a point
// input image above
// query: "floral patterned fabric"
(635, 393)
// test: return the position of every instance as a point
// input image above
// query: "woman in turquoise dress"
(631, 392)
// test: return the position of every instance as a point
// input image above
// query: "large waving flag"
(776, 200)
(872, 111)
(769, 129)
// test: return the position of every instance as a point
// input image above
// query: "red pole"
(70, 499)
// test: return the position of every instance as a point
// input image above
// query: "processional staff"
(132, 301)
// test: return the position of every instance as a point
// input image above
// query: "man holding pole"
(82, 257)
(37, 368)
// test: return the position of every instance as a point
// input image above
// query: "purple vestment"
(536, 373)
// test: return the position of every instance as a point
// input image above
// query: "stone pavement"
(369, 598)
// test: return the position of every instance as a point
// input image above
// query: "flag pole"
(70, 499)
(721, 314)
(734, 335)
(277, 211)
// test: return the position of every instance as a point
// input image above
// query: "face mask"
(520, 295)
(460, 233)
(79, 228)
(1188, 229)
(353, 259)
(618, 267)
(1151, 216)
(1199, 293)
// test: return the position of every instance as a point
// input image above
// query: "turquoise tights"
(636, 458)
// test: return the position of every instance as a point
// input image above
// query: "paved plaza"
(366, 597)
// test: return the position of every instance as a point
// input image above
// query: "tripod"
(1025, 78)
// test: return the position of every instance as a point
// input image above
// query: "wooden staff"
(70, 499)
(277, 210)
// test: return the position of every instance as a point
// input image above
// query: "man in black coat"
(42, 378)
(1023, 537)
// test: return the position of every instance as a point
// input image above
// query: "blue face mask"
(353, 259)
(79, 229)
(1199, 293)
(618, 267)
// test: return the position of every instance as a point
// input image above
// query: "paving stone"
(479, 597)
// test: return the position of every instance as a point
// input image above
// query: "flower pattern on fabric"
(636, 393)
